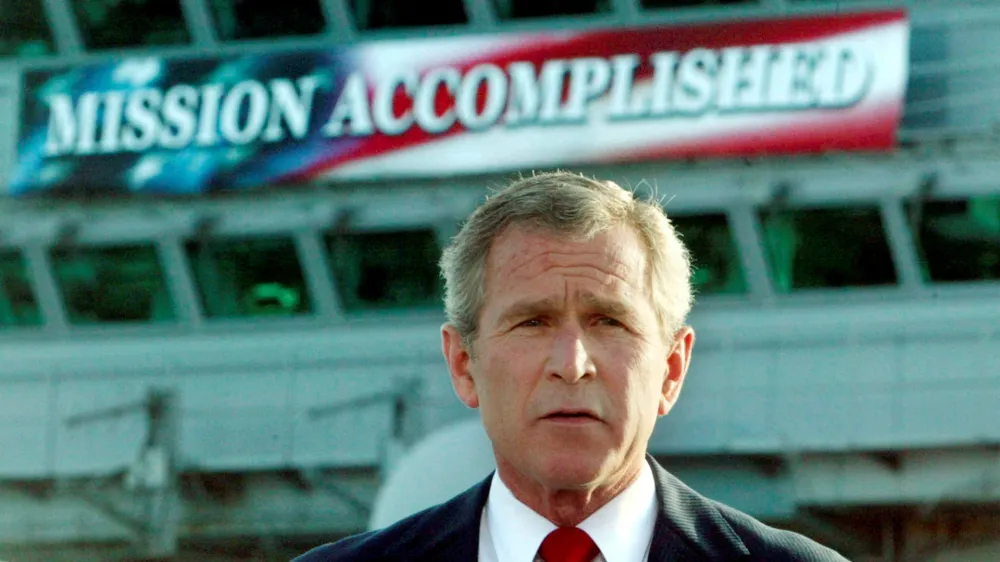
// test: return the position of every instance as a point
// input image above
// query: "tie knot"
(568, 544)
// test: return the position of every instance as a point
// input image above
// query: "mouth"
(572, 416)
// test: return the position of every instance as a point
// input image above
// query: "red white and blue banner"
(469, 104)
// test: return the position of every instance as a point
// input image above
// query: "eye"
(531, 323)
(609, 321)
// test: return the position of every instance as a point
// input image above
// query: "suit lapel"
(689, 527)
(459, 541)
(667, 548)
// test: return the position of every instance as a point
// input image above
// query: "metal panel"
(24, 421)
(343, 415)
(838, 388)
(104, 445)
(10, 102)
(951, 412)
(235, 420)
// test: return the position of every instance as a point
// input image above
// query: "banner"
(467, 104)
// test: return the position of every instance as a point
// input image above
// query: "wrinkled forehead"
(613, 256)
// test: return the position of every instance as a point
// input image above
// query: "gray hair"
(568, 204)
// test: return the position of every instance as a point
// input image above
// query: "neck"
(567, 507)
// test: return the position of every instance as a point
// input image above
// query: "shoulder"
(422, 536)
(775, 545)
(721, 532)
(408, 535)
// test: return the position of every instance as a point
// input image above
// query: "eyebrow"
(530, 308)
(527, 309)
(609, 307)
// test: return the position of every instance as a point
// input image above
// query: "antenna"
(153, 478)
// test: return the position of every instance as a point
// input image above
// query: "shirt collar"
(622, 528)
(517, 530)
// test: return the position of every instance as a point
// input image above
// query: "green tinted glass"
(252, 277)
(386, 270)
(518, 9)
(18, 306)
(958, 240)
(716, 261)
(24, 31)
(690, 3)
(106, 24)
(247, 19)
(113, 284)
(378, 14)
(827, 248)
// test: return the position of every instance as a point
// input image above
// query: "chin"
(571, 469)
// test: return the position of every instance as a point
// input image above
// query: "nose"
(568, 357)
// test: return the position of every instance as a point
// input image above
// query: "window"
(108, 24)
(690, 3)
(25, 30)
(18, 306)
(518, 9)
(958, 240)
(248, 277)
(716, 261)
(825, 248)
(386, 270)
(378, 14)
(247, 19)
(112, 284)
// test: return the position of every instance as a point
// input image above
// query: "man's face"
(571, 367)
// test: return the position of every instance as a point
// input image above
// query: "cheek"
(638, 380)
(504, 383)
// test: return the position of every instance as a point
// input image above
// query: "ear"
(459, 360)
(677, 366)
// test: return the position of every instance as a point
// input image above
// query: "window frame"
(309, 315)
(721, 298)
(826, 294)
(84, 30)
(380, 311)
(923, 264)
(215, 18)
(32, 287)
(80, 245)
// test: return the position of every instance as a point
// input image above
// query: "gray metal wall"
(10, 85)
(871, 376)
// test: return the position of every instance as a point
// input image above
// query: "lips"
(572, 414)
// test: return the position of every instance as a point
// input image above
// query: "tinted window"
(245, 19)
(821, 248)
(959, 240)
(115, 284)
(387, 269)
(717, 268)
(377, 14)
(515, 9)
(252, 277)
(18, 306)
(25, 30)
(130, 23)
(690, 3)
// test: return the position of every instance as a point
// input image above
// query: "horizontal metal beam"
(341, 30)
(65, 31)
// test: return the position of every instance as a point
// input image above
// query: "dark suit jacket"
(689, 528)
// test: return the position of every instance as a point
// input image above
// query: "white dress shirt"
(510, 531)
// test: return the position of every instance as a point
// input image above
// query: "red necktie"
(568, 544)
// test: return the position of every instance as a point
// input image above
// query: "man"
(566, 300)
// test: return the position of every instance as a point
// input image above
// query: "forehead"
(615, 258)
